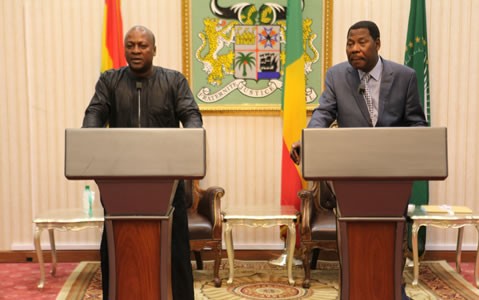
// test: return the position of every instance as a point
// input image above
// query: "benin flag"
(416, 57)
(112, 53)
(293, 106)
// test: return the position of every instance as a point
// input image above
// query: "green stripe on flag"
(294, 41)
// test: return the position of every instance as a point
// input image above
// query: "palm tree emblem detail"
(245, 60)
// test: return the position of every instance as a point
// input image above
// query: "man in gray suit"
(367, 90)
(393, 87)
(390, 88)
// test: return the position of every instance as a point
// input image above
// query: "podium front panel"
(92, 153)
(374, 153)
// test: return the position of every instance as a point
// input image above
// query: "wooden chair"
(318, 225)
(204, 223)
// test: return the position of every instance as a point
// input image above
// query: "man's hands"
(295, 153)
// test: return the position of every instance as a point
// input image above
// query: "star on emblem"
(268, 37)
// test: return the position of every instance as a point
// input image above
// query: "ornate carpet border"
(437, 280)
(79, 280)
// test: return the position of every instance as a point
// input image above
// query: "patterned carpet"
(260, 280)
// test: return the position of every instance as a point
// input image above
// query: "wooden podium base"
(138, 224)
(371, 226)
(371, 257)
(140, 264)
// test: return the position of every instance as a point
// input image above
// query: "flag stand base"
(281, 260)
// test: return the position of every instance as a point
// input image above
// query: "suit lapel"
(354, 81)
(385, 88)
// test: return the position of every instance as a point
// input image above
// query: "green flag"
(417, 58)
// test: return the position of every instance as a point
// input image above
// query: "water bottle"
(88, 200)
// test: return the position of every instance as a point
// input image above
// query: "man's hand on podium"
(295, 153)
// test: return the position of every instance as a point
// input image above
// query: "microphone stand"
(138, 88)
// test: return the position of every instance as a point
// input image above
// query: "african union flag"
(416, 57)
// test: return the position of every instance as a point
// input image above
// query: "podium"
(137, 172)
(372, 170)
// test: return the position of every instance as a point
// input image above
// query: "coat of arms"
(241, 50)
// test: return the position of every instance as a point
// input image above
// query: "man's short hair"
(369, 25)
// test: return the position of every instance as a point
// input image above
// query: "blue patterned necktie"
(367, 97)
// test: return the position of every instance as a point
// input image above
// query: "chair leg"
(199, 261)
(306, 265)
(216, 267)
(314, 258)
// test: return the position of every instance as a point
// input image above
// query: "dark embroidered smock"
(166, 100)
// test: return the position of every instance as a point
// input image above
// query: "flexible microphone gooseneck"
(138, 88)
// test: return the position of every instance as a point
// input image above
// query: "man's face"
(139, 51)
(362, 50)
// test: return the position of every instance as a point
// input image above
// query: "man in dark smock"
(165, 101)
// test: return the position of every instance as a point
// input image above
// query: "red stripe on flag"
(291, 181)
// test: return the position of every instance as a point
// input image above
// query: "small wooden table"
(442, 216)
(261, 217)
(63, 220)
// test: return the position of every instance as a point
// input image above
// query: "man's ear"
(378, 44)
(154, 51)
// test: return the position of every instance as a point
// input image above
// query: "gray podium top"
(407, 153)
(169, 153)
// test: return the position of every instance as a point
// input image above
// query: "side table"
(442, 216)
(63, 220)
(261, 217)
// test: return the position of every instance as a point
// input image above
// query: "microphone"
(361, 88)
(138, 88)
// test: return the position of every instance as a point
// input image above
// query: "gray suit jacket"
(399, 102)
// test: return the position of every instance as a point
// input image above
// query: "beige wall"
(50, 56)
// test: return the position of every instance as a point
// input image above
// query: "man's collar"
(375, 72)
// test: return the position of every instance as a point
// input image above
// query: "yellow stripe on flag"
(106, 61)
(294, 108)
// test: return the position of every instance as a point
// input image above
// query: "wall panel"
(14, 127)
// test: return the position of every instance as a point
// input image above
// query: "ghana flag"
(293, 105)
(112, 53)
